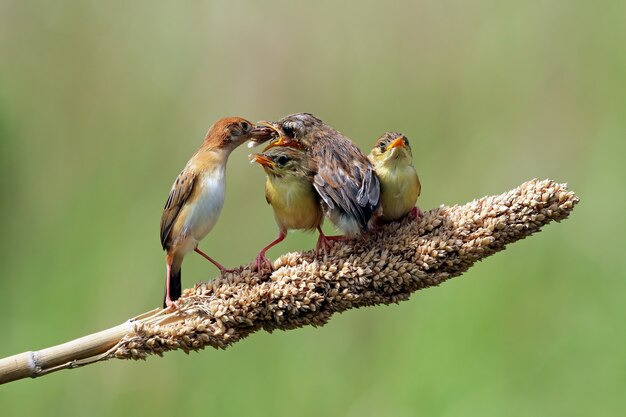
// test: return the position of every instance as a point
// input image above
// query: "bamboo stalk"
(388, 267)
(67, 355)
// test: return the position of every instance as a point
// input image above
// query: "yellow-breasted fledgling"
(343, 176)
(399, 184)
(197, 197)
(289, 189)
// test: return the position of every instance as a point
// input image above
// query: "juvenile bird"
(399, 184)
(289, 189)
(197, 197)
(343, 176)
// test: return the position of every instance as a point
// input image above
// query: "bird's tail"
(173, 285)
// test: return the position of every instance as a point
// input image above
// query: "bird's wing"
(181, 190)
(344, 178)
(419, 185)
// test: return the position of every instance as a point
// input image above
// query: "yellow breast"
(295, 202)
(399, 188)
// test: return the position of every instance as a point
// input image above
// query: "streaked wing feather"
(181, 190)
(345, 179)
(369, 192)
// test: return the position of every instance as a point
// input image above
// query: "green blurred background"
(102, 103)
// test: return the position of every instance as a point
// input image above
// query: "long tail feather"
(173, 286)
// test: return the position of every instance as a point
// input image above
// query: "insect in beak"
(262, 132)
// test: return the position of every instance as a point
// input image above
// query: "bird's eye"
(282, 160)
(290, 129)
(245, 126)
(382, 147)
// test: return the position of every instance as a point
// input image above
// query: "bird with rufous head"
(197, 197)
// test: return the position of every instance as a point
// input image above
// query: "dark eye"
(290, 129)
(382, 147)
(282, 160)
(245, 126)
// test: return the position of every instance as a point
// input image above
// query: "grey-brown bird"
(197, 196)
(399, 184)
(343, 176)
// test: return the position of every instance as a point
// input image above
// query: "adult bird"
(289, 190)
(343, 176)
(197, 196)
(399, 184)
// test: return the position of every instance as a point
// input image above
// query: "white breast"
(204, 214)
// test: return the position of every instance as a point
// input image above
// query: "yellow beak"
(396, 143)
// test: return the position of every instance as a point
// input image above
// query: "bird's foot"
(224, 271)
(262, 262)
(416, 214)
(173, 305)
(324, 243)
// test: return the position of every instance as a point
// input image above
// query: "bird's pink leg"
(219, 266)
(324, 243)
(416, 214)
(261, 259)
(168, 298)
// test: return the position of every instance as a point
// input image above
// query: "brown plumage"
(197, 196)
(344, 177)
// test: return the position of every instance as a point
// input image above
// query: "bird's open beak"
(262, 160)
(269, 131)
(284, 141)
(397, 143)
(281, 141)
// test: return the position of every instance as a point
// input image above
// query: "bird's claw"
(326, 242)
(169, 304)
(262, 262)
(416, 214)
(224, 271)
(323, 245)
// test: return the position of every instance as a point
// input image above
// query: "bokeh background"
(102, 103)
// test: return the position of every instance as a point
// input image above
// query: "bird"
(342, 175)
(399, 184)
(289, 190)
(197, 196)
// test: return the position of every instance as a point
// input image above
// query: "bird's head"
(292, 131)
(299, 125)
(391, 148)
(283, 161)
(228, 133)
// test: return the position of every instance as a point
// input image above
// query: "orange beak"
(284, 141)
(397, 143)
(262, 160)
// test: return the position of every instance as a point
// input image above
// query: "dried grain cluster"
(384, 268)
